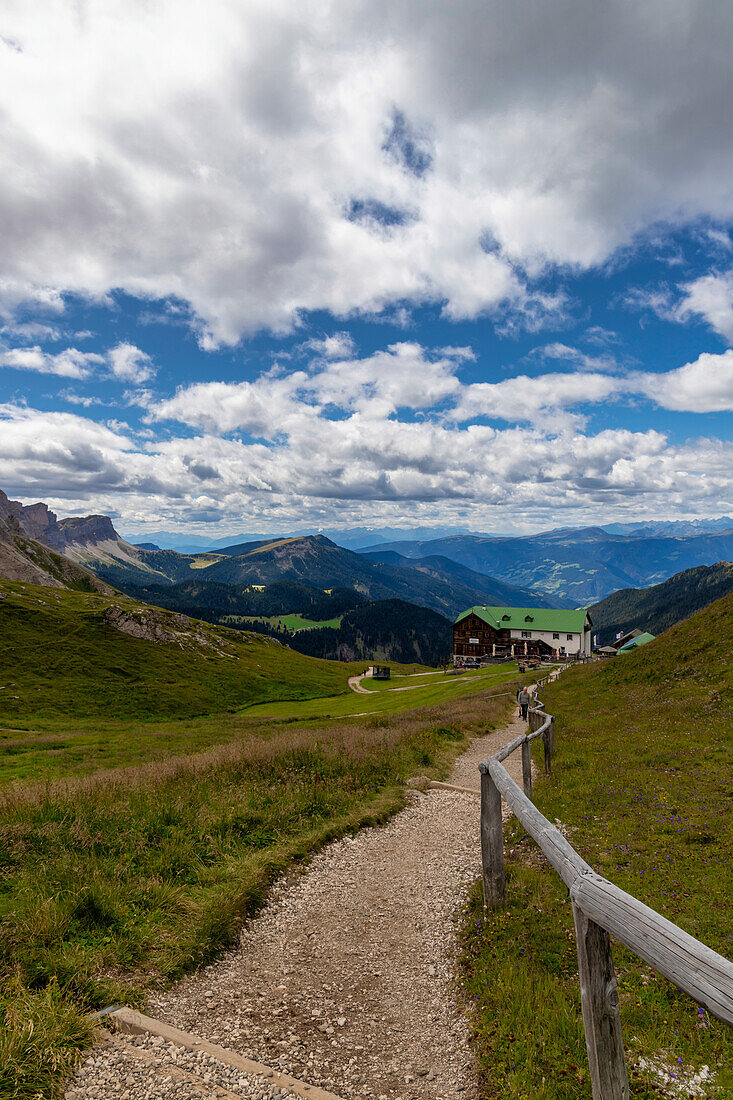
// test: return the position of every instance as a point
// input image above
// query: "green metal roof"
(557, 620)
(642, 639)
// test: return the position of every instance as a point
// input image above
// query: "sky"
(272, 267)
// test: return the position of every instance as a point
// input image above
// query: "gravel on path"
(346, 978)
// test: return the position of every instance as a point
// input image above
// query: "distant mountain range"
(564, 567)
(676, 527)
(657, 608)
(364, 538)
(92, 542)
(581, 565)
(352, 538)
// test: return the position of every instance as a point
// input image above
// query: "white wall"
(577, 643)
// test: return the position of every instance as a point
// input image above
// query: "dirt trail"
(345, 979)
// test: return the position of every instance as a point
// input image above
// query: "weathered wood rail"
(600, 910)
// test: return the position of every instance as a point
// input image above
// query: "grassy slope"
(60, 658)
(116, 881)
(297, 622)
(386, 697)
(643, 779)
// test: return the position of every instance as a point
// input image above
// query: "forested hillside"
(389, 630)
(657, 608)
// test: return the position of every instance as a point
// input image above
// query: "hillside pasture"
(60, 658)
(642, 781)
(292, 622)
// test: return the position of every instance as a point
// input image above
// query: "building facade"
(486, 632)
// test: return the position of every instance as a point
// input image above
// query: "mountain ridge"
(26, 559)
(93, 543)
(582, 564)
(662, 606)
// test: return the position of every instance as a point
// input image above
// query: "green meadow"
(643, 783)
(400, 693)
(60, 657)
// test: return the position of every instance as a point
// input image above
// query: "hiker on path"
(524, 700)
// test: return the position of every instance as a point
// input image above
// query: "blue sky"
(304, 267)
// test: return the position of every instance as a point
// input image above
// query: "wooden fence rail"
(600, 910)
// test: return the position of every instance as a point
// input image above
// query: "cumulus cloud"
(125, 362)
(32, 331)
(358, 470)
(710, 297)
(129, 364)
(217, 161)
(406, 378)
(535, 399)
(70, 363)
(336, 346)
(575, 357)
(404, 375)
(700, 387)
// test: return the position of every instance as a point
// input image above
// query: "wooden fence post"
(548, 740)
(527, 767)
(601, 1018)
(492, 844)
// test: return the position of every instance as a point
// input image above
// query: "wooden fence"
(600, 910)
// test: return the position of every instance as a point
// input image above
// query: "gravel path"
(345, 979)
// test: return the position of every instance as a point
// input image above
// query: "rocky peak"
(36, 521)
(87, 529)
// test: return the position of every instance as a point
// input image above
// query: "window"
(570, 637)
(556, 637)
(529, 618)
(526, 633)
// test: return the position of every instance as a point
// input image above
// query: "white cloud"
(337, 346)
(266, 407)
(700, 387)
(30, 331)
(125, 362)
(576, 357)
(710, 297)
(402, 376)
(129, 364)
(70, 363)
(358, 470)
(541, 399)
(216, 159)
(377, 390)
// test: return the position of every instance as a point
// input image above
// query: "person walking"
(524, 700)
